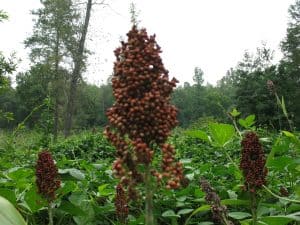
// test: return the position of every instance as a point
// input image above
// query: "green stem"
(230, 159)
(254, 208)
(277, 196)
(50, 213)
(149, 218)
(236, 127)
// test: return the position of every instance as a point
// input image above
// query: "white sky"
(210, 34)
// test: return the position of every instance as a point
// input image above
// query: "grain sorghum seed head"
(47, 179)
(142, 116)
(253, 162)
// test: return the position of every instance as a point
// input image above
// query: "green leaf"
(288, 134)
(235, 202)
(169, 213)
(70, 208)
(73, 172)
(221, 133)
(34, 201)
(9, 195)
(103, 191)
(235, 113)
(283, 107)
(18, 173)
(239, 215)
(248, 122)
(9, 215)
(67, 187)
(184, 211)
(280, 163)
(281, 220)
(232, 194)
(198, 134)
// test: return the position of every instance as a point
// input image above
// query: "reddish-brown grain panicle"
(47, 179)
(142, 117)
(253, 162)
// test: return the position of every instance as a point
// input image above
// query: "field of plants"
(208, 151)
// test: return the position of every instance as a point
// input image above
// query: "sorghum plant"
(142, 117)
(219, 211)
(47, 179)
(253, 167)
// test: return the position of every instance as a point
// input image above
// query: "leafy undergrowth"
(87, 192)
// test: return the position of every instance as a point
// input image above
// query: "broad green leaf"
(202, 208)
(9, 195)
(73, 172)
(185, 161)
(235, 202)
(9, 215)
(239, 215)
(77, 198)
(18, 173)
(221, 133)
(249, 222)
(198, 193)
(235, 113)
(184, 211)
(198, 134)
(288, 134)
(281, 220)
(70, 208)
(169, 213)
(104, 191)
(67, 187)
(206, 223)
(248, 121)
(295, 140)
(34, 201)
(280, 163)
(232, 194)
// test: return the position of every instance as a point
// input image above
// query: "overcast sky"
(210, 34)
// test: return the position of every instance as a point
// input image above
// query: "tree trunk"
(56, 81)
(76, 74)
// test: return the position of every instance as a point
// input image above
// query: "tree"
(7, 66)
(251, 92)
(78, 56)
(289, 68)
(56, 22)
(198, 76)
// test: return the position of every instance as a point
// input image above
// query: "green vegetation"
(233, 159)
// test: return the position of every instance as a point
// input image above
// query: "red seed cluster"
(121, 205)
(253, 162)
(171, 169)
(142, 91)
(47, 179)
(142, 116)
(219, 211)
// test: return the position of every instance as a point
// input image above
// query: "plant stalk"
(279, 197)
(149, 218)
(50, 213)
(254, 208)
